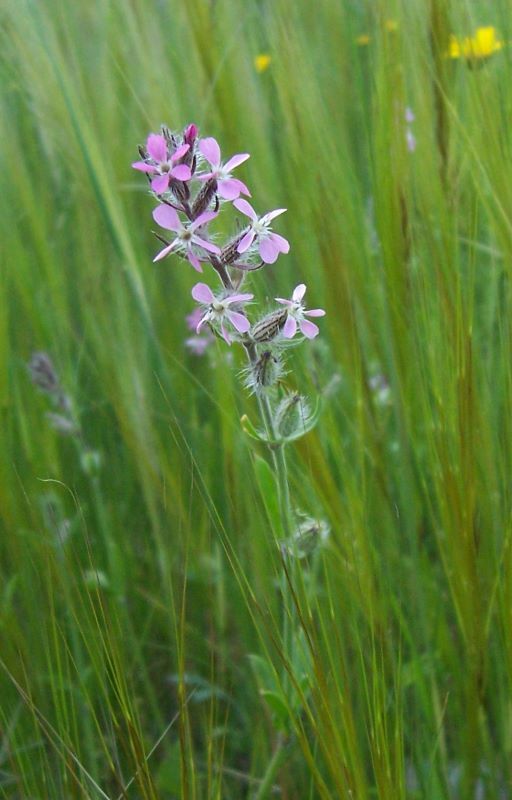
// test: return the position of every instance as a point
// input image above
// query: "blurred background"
(140, 595)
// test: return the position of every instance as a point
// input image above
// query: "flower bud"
(294, 417)
(268, 328)
(43, 374)
(204, 197)
(91, 462)
(309, 534)
(62, 424)
(264, 373)
(190, 134)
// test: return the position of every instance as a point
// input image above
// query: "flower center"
(297, 310)
(260, 228)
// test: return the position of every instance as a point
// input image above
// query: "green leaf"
(269, 492)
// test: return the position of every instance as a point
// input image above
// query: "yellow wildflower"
(363, 40)
(262, 62)
(483, 44)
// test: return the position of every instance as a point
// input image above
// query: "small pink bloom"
(296, 314)
(217, 310)
(227, 187)
(190, 134)
(187, 239)
(199, 343)
(268, 243)
(162, 164)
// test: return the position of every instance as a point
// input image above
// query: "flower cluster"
(192, 182)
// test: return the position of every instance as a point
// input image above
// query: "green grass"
(133, 655)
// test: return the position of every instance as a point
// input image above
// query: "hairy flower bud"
(190, 134)
(309, 534)
(293, 417)
(63, 425)
(204, 197)
(229, 253)
(43, 374)
(269, 326)
(264, 373)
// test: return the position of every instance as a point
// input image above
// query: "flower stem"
(275, 762)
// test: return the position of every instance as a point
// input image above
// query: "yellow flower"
(262, 62)
(483, 44)
(390, 25)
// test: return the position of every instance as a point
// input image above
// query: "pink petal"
(245, 242)
(143, 167)
(181, 172)
(202, 293)
(315, 312)
(230, 188)
(212, 248)
(238, 298)
(193, 318)
(197, 344)
(268, 251)
(180, 152)
(235, 161)
(309, 329)
(201, 323)
(210, 149)
(194, 261)
(273, 214)
(157, 147)
(283, 301)
(299, 292)
(203, 218)
(282, 244)
(160, 184)
(244, 189)
(165, 252)
(245, 208)
(205, 176)
(190, 133)
(290, 328)
(225, 335)
(239, 321)
(167, 217)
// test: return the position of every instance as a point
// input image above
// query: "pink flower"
(186, 240)
(269, 244)
(197, 344)
(163, 164)
(217, 310)
(190, 134)
(296, 314)
(227, 187)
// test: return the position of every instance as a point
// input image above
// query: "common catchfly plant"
(192, 184)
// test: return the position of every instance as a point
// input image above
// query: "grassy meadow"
(155, 644)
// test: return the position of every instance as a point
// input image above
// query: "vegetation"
(145, 605)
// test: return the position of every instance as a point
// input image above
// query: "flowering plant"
(192, 184)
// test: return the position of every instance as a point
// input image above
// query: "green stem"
(278, 757)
